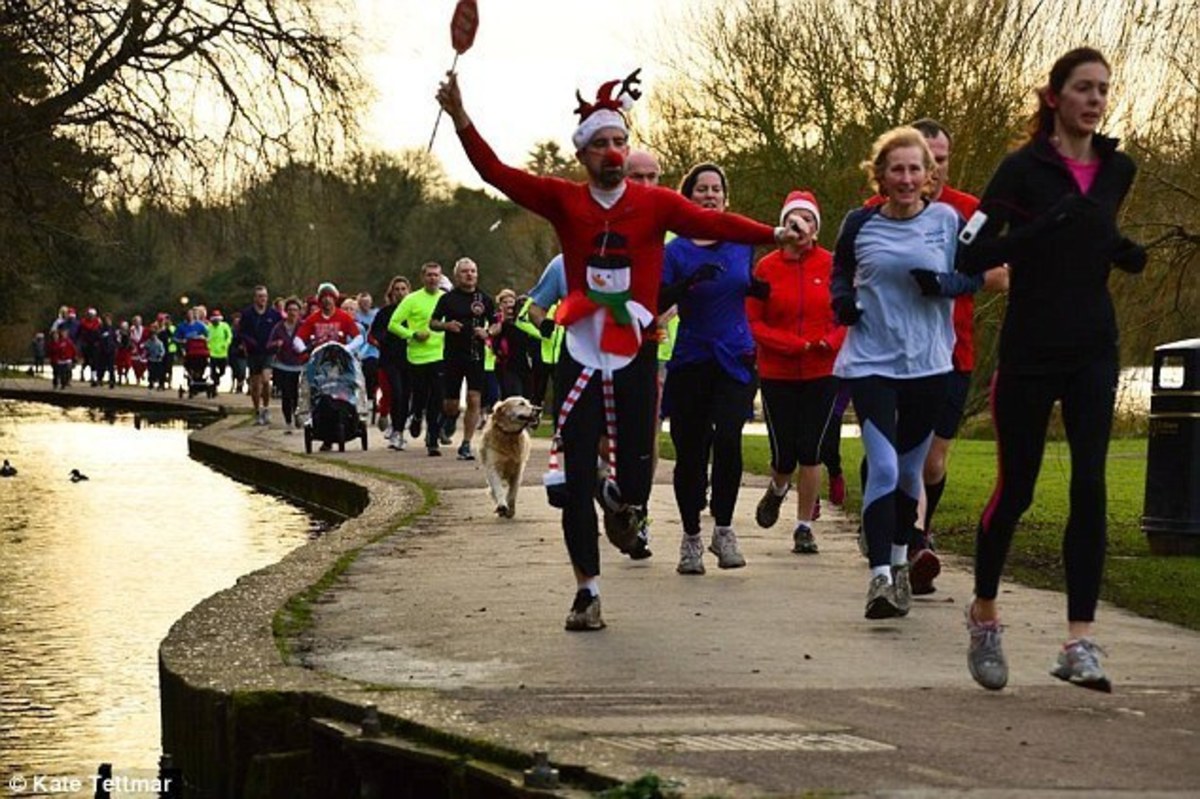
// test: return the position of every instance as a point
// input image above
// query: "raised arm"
(538, 194)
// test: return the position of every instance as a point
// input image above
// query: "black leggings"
(397, 379)
(1021, 406)
(635, 390)
(289, 391)
(427, 397)
(799, 418)
(708, 410)
(896, 417)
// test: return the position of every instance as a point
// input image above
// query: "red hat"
(607, 111)
(801, 200)
(216, 313)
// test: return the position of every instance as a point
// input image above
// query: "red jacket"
(61, 350)
(798, 311)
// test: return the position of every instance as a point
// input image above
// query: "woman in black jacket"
(1050, 213)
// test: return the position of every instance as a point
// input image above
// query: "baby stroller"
(195, 368)
(335, 397)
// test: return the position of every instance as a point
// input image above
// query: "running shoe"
(641, 548)
(725, 546)
(414, 426)
(767, 512)
(803, 542)
(985, 658)
(622, 526)
(446, 436)
(1079, 664)
(384, 424)
(924, 567)
(433, 451)
(902, 587)
(881, 599)
(397, 441)
(464, 452)
(585, 613)
(837, 490)
(691, 555)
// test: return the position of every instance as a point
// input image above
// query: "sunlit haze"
(518, 80)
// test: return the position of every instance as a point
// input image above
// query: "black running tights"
(1021, 406)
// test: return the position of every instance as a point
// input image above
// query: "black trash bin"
(1171, 516)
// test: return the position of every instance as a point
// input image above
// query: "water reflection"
(95, 572)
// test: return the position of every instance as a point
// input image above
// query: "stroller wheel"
(363, 436)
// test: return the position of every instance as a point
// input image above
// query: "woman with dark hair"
(286, 363)
(1050, 212)
(711, 378)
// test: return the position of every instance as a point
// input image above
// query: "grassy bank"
(1157, 587)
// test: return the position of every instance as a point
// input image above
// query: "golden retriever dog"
(505, 450)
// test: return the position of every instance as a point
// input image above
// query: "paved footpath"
(761, 681)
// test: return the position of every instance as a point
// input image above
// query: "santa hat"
(327, 288)
(216, 314)
(71, 312)
(797, 200)
(607, 111)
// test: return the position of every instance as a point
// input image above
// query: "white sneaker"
(725, 546)
(691, 555)
(397, 441)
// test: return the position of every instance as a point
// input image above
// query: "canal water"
(96, 571)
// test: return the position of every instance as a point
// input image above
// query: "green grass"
(1166, 588)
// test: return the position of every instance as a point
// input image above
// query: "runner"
(798, 339)
(1058, 196)
(925, 565)
(328, 323)
(424, 352)
(286, 363)
(711, 380)
(465, 316)
(897, 352)
(611, 233)
(393, 366)
(254, 331)
(220, 336)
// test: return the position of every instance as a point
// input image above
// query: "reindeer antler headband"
(607, 111)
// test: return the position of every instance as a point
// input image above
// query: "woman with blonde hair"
(897, 351)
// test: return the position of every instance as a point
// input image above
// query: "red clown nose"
(613, 158)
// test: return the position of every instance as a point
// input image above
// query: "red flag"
(463, 25)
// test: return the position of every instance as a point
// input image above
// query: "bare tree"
(172, 88)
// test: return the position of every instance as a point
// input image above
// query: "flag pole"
(438, 119)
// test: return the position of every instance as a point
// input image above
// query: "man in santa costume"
(611, 232)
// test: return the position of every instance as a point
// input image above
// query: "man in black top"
(467, 316)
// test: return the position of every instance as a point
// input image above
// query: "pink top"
(1083, 173)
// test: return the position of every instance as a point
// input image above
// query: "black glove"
(1129, 256)
(759, 289)
(846, 311)
(927, 279)
(546, 328)
(1069, 208)
(704, 273)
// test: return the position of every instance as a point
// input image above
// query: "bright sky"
(519, 78)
